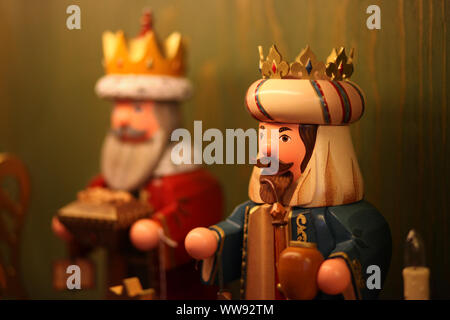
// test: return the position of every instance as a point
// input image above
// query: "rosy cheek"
(286, 152)
(139, 120)
(145, 120)
(292, 152)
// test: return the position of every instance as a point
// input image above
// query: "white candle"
(416, 283)
(416, 276)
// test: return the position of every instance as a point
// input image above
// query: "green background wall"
(51, 118)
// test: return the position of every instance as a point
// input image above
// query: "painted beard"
(128, 165)
(273, 187)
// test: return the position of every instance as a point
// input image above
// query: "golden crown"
(338, 66)
(142, 54)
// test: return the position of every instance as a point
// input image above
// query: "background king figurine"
(306, 231)
(141, 200)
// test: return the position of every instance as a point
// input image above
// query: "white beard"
(127, 166)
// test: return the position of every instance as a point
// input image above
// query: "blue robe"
(356, 232)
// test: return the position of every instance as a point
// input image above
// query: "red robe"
(182, 202)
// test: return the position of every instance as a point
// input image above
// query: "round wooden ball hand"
(333, 276)
(201, 243)
(145, 234)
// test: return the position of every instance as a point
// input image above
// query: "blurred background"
(51, 118)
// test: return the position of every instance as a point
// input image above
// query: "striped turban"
(323, 102)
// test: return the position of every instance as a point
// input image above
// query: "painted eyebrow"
(284, 129)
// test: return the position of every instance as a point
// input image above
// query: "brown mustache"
(282, 166)
(127, 131)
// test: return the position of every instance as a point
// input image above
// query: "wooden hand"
(333, 276)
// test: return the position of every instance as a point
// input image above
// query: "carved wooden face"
(289, 147)
(134, 120)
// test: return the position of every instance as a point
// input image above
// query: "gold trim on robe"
(211, 265)
(355, 269)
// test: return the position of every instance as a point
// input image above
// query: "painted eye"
(137, 108)
(261, 135)
(285, 138)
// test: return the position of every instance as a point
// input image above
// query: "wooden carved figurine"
(141, 197)
(306, 231)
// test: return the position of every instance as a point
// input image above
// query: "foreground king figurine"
(306, 231)
(146, 84)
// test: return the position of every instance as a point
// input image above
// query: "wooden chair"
(12, 217)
